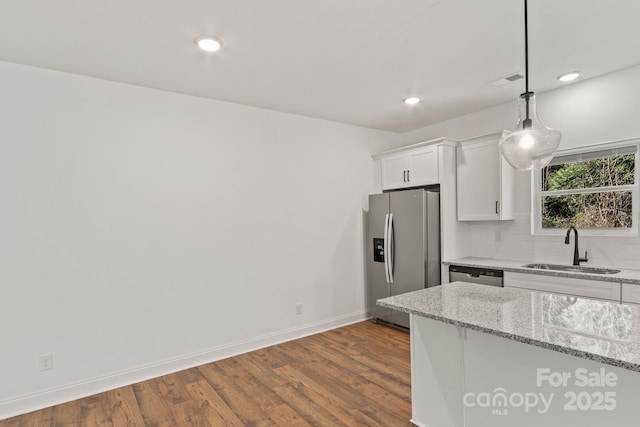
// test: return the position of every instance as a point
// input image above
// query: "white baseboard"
(54, 396)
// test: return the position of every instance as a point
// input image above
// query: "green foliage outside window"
(601, 209)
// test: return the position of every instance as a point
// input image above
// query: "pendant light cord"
(527, 122)
(526, 49)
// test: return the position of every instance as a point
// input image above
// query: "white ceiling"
(350, 61)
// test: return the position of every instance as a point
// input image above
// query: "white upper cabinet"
(423, 166)
(485, 181)
(411, 168)
(394, 171)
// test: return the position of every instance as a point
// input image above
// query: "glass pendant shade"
(531, 145)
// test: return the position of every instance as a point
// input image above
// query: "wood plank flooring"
(358, 375)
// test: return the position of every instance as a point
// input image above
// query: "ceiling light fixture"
(567, 77)
(411, 100)
(531, 145)
(209, 43)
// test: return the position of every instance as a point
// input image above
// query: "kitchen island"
(486, 356)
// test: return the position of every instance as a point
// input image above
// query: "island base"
(462, 377)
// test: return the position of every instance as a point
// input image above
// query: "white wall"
(598, 110)
(143, 231)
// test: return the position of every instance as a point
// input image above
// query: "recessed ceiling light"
(208, 43)
(569, 76)
(412, 100)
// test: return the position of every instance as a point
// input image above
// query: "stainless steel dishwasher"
(482, 276)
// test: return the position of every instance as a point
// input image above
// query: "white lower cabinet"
(610, 291)
(630, 293)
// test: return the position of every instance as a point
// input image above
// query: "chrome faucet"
(576, 257)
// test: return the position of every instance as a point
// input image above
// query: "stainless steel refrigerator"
(403, 248)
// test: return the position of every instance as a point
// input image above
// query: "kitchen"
(121, 195)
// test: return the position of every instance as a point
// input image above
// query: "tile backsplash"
(513, 240)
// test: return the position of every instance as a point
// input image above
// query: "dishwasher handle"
(482, 276)
(475, 271)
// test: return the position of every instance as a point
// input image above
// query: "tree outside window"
(591, 190)
(597, 209)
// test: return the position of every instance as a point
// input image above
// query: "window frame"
(537, 194)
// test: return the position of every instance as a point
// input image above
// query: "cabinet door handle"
(497, 207)
(408, 176)
(404, 176)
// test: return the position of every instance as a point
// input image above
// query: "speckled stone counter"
(625, 275)
(601, 331)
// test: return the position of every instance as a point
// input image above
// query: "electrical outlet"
(45, 362)
(299, 308)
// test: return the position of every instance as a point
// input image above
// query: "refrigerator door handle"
(390, 248)
(386, 247)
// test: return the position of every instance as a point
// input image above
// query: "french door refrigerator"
(403, 248)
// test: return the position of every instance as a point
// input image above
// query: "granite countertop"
(625, 275)
(605, 332)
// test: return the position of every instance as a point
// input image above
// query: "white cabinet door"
(423, 166)
(630, 293)
(485, 182)
(394, 172)
(411, 168)
(564, 285)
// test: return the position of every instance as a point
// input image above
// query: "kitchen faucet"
(576, 257)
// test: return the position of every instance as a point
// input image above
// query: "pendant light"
(531, 145)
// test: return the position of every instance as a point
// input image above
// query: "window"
(595, 191)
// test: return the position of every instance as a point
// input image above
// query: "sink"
(572, 268)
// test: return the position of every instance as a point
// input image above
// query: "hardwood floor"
(358, 375)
